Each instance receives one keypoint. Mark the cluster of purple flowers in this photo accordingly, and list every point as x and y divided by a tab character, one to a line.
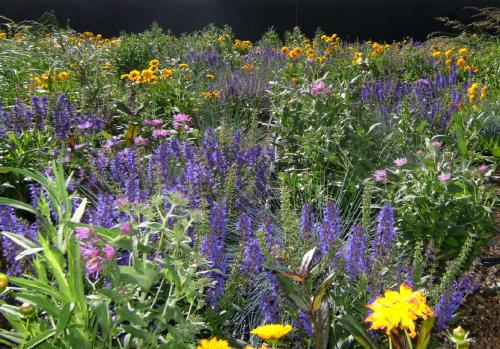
10	223
94	251
451	299
434	99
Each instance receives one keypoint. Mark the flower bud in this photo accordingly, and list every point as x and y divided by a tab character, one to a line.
459	332
27	309
4	281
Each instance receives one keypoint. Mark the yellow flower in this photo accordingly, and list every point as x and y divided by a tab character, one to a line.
209	76
285	50
153	68
3	35
272	332
321	59
248	67
436	54
210	94
484	89
358	58
134	75
183	65
147	74
107	65
213	343
461	62
294	81
222	39
462	51
448	53
124	76
153	79
63	76
154	62
89	34
472	92
166	73
399	310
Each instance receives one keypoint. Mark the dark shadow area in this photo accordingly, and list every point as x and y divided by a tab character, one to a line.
354	19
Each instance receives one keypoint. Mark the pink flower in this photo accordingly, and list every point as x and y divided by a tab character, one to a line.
400	162
83	233
120	201
125	228
109	252
380	175
94	265
153	122
436	144
139	140
445	177
160	133
319	86
483	169
180	120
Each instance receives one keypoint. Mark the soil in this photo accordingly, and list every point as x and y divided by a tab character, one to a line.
480	314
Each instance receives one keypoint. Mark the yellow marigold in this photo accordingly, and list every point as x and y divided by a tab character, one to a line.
248	67
153	79
134	75
436	54
154	62
63	76
272	332
222	39
448	53
399	310
461	62
183	65
166	73
209	76
463	51
285	50
310	52
213	343
89	34
153	68
448	61
124	76
147	74
98	36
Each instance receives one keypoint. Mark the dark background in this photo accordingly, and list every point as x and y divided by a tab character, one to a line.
353	19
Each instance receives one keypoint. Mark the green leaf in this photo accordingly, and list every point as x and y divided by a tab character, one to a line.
41	302
39	339
12	336
103	317
305	266
324	321
120	106
359	333
20	240
285	272
64	316
130	316
145	279
53	262
321	292
19	205
424	334
293	292
39	286
77	216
